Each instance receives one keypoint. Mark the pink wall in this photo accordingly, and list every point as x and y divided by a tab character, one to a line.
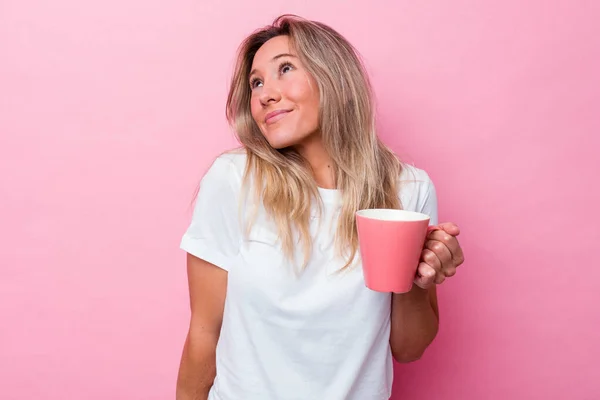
109	112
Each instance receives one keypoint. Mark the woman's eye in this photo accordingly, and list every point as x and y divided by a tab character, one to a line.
254	83
286	67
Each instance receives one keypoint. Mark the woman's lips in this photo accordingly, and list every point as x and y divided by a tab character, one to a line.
275	116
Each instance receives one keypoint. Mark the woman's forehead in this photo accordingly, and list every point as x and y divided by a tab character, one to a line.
271	50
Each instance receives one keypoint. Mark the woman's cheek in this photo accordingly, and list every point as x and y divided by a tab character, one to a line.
255	108
296	89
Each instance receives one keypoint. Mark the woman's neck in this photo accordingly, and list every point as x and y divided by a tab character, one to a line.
319	160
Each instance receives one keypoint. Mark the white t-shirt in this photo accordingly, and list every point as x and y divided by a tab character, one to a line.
313	336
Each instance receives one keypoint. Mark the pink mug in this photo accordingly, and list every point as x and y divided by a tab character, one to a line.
391	242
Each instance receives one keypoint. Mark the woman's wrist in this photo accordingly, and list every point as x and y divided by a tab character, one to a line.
416	295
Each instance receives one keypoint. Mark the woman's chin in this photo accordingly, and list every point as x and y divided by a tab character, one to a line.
279	146
278	141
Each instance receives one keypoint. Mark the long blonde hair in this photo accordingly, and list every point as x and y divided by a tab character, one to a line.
366	171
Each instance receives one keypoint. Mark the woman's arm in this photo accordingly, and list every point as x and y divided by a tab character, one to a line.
414	325
207	286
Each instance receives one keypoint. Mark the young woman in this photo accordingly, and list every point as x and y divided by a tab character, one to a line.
279	308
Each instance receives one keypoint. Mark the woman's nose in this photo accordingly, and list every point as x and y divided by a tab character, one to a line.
269	94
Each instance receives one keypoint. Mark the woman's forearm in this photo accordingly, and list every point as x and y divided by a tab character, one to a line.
414	323
197	370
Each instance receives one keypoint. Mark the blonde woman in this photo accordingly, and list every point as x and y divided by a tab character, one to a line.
279	308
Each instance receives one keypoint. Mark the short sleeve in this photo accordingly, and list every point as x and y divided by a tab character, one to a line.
428	203
214	232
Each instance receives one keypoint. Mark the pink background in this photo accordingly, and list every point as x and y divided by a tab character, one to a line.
111	110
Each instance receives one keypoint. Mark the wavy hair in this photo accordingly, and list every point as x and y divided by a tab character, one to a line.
366	171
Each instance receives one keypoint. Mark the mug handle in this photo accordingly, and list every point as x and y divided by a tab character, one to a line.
432	228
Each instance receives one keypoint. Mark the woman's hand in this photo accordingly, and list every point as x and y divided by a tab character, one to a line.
440	257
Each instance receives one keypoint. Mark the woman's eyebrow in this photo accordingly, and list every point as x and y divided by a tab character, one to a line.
273	59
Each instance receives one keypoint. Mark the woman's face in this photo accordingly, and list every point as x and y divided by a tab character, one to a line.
285	98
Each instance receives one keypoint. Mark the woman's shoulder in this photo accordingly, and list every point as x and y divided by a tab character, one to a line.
236	157
228	165
415	187
417	191
414	175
